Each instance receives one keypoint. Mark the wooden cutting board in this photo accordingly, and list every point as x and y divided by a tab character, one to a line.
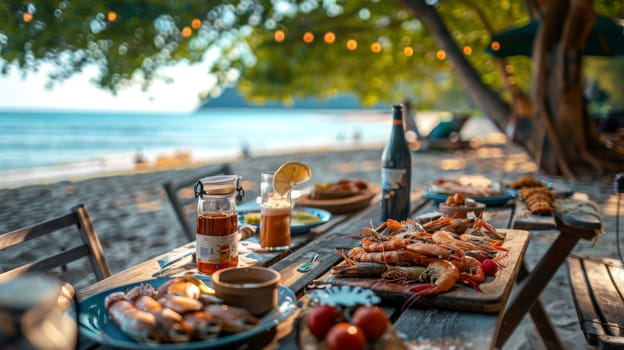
494	291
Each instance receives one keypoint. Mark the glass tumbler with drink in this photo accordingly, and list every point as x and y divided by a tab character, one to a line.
276	205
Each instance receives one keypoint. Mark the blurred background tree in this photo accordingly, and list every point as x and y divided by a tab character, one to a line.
431	53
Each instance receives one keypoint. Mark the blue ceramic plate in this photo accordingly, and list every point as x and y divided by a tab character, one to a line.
491	201
95	324
296	227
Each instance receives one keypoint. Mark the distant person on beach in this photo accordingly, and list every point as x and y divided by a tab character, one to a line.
357	136
139	159
245	151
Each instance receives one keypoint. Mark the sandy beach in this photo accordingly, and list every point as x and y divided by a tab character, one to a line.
135	221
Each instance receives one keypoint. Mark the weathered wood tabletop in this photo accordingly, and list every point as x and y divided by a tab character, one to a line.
422	324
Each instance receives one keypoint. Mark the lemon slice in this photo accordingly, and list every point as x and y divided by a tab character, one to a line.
290	174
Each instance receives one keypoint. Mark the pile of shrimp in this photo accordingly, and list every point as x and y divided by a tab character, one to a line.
179	311
428	259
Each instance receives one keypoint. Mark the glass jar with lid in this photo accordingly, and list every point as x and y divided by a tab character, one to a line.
217	222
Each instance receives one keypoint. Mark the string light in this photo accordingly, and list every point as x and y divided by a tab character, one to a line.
27	16
196	23
111	16
308	37
441	55
329	37
351	44
495	45
509	68
187	31
408	51
279	36
511	80
376	47
467	50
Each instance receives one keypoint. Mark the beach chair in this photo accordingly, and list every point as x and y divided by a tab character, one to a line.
89	245
182	198
445	135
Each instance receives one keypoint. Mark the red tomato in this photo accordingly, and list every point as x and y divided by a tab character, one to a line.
321	319
372	320
345	336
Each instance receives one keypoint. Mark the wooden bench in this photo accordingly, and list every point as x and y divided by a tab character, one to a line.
598	289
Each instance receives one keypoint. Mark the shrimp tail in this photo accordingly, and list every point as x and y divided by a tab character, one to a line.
474	284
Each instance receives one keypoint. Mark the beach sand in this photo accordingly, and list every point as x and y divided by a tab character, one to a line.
135	221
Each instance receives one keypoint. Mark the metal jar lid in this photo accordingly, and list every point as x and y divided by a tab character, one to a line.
221	185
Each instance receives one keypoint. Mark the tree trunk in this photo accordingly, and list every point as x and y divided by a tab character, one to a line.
559	136
490	102
570	144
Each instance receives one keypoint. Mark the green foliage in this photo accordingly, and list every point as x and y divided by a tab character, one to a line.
147	35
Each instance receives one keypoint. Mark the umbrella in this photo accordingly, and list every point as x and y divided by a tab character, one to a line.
605	39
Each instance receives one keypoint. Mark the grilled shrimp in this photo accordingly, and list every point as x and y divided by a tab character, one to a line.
180	304
359	269
171	322
203	325
142	289
380	246
403	274
233	319
393	257
470	271
442	275
435	250
138	325
445	238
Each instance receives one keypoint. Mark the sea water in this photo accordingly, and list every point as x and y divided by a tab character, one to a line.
37	143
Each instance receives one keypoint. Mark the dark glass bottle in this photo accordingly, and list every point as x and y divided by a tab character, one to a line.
396	171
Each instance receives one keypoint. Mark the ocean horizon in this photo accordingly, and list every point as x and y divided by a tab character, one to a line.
42	146
38	145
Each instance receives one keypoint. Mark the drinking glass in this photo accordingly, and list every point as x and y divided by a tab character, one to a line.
275	215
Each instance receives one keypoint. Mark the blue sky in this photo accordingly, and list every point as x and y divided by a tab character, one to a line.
78	93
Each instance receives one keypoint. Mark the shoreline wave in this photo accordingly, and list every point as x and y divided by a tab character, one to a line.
126	163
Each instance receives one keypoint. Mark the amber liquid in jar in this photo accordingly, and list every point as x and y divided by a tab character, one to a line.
216	241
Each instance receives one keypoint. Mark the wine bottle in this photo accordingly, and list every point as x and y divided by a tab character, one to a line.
396	171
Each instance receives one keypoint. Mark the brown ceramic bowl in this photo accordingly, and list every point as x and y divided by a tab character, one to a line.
462	211
253	288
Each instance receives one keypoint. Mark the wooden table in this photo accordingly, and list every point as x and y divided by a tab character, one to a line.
441	328
531	283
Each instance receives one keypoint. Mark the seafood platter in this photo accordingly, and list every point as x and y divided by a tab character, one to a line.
538	196
174	313
450	262
339	197
481	190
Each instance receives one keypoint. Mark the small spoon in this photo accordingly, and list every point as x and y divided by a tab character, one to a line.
307	266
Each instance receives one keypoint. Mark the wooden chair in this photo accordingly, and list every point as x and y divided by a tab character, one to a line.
598	289
89	246
184	205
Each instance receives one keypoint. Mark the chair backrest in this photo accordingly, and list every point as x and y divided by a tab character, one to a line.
89	246
184	204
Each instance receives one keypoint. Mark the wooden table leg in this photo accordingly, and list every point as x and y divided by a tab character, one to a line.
528	291
540	317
